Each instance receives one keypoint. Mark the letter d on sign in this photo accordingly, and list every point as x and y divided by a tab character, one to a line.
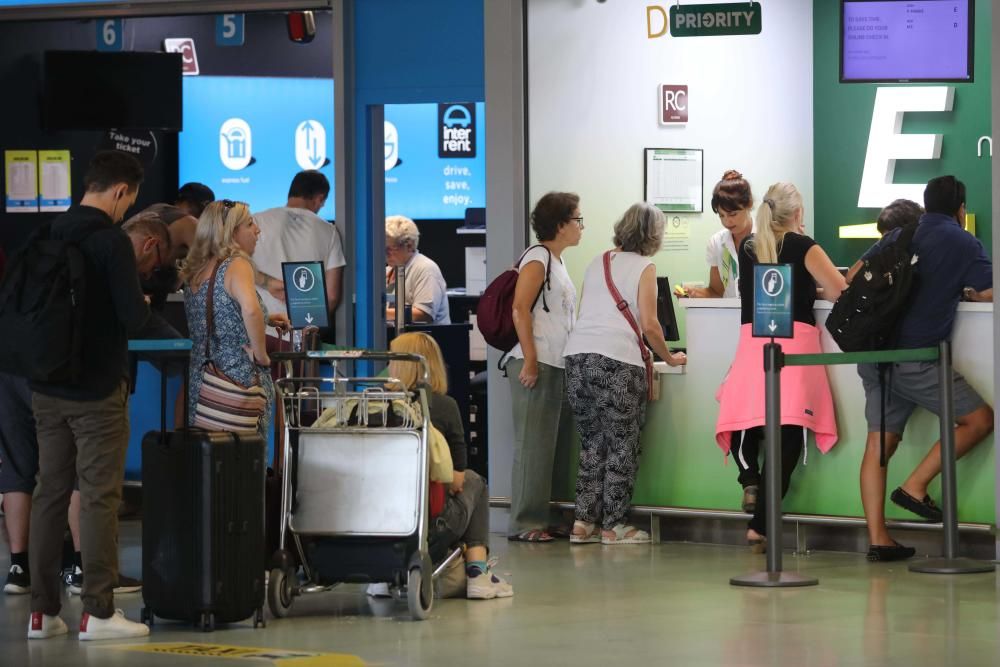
664	22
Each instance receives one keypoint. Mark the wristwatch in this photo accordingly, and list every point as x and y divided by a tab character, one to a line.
967	293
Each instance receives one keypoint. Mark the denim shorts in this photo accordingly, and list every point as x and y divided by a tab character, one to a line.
18	441
911	384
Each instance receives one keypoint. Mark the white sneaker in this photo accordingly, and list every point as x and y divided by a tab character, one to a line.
41	626
115	627
380	590
486	586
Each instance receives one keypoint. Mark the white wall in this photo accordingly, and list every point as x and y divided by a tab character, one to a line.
593	78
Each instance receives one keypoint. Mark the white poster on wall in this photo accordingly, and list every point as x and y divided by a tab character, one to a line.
674	179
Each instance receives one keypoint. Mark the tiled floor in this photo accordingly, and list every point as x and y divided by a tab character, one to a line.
592	605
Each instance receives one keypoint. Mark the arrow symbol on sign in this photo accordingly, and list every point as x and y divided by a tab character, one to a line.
309	131
772	326
309	318
315	157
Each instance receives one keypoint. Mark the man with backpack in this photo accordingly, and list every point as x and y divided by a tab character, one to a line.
82	421
948	264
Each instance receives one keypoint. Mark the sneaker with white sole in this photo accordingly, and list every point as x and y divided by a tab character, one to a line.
74	583
18	581
42	626
481	585
624	534
114	627
379	590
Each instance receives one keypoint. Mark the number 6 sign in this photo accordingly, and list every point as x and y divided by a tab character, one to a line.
111	35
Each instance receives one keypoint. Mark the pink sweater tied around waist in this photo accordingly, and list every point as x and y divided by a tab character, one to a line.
805	390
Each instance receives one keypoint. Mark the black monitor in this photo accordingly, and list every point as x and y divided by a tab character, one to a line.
92	90
665	309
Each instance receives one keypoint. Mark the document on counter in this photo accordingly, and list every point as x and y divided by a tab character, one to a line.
21	171
55	181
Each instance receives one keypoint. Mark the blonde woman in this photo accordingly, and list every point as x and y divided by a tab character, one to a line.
806	401
223	244
465	516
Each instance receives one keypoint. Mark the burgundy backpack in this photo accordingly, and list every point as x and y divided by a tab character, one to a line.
494	315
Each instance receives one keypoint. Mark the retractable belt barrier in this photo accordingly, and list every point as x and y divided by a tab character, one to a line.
774	361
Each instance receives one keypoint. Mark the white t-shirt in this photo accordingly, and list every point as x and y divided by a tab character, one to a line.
721	253
293	235
601	328
425	287
550	329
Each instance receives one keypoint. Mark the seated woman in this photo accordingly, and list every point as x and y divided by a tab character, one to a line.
607	378
806	401
220	258
466	512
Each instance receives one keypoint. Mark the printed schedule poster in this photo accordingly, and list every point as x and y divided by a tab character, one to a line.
54	181
674	179
21	178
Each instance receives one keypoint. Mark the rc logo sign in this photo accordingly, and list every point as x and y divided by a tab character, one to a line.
457	130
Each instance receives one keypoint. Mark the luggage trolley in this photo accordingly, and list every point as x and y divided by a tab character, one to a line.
354	496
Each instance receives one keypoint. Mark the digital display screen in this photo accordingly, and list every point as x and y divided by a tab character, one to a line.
247	137
435	160
906	40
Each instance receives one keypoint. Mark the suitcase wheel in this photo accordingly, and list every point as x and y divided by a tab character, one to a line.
258	619
207	622
146	616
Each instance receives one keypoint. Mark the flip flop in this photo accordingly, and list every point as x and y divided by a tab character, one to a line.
534	535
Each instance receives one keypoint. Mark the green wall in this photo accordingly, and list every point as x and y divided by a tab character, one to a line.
842	119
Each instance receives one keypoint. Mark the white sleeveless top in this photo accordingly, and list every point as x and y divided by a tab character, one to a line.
551	328
601	328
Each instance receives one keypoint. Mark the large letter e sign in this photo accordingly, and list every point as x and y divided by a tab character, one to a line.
886	144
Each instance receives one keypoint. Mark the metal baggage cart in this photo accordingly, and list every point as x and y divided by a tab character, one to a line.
354	498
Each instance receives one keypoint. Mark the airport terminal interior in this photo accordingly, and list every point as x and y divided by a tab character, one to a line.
600	488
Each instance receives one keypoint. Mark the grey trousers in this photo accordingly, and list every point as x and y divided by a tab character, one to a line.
468	513
543	430
83	440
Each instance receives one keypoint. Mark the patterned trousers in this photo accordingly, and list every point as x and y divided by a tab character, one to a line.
608	398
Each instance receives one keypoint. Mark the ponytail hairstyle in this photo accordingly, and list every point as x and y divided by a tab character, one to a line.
732	193
774	218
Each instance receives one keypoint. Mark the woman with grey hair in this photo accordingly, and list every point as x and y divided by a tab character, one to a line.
609	375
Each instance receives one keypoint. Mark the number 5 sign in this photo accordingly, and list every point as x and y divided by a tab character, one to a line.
229	29
111	35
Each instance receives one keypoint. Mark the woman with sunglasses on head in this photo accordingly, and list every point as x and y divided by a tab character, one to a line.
220	257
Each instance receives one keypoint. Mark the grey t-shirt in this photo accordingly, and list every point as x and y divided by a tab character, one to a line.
425	288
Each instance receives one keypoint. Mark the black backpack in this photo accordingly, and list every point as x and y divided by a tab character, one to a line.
42	310
867	314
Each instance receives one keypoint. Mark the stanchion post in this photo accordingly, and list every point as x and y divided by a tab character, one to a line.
950	563
773	577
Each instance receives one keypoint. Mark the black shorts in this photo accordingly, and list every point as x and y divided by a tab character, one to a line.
18	441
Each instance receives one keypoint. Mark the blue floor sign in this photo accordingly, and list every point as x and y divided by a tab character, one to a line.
772	301
305	294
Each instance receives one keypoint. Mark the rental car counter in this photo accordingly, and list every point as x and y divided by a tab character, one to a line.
681	465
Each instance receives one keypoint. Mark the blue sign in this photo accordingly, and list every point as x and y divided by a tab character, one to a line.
305	294
111	35
230	29
772	301
247	137
435	160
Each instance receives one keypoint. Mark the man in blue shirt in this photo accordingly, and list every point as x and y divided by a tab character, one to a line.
951	264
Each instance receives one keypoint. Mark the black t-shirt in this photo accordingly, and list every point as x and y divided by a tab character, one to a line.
793	251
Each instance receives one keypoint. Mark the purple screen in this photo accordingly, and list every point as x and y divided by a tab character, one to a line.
922	39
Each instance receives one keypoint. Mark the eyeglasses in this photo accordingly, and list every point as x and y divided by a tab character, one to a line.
578	220
226	205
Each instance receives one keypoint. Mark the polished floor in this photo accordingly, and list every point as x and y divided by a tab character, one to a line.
588	605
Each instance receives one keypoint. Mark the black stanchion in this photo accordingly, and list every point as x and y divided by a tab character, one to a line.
773	577
949	563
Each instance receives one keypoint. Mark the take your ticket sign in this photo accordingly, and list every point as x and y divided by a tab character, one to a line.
305	294
772	301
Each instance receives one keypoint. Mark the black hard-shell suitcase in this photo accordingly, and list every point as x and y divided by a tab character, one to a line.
203	526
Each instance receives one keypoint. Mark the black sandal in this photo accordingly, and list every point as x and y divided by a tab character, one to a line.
884	554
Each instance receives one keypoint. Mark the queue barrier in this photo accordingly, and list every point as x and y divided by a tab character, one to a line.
774	361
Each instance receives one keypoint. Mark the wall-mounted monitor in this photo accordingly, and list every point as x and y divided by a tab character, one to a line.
93	90
898	41
435	159
247	137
